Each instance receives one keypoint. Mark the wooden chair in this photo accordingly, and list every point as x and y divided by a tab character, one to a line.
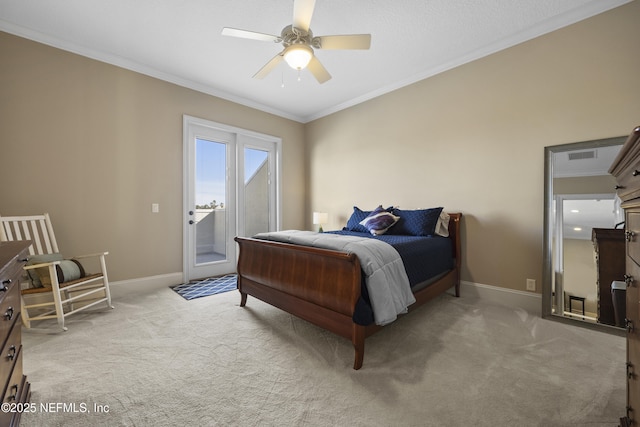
63	297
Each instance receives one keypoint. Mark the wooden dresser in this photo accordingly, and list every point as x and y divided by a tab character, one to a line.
626	170
16	389
609	247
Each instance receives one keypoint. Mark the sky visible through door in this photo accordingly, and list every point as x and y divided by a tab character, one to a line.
211	170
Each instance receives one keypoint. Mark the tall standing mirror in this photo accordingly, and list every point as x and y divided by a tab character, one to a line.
583	234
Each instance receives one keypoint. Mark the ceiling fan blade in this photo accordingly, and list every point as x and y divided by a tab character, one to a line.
351	41
317	69
244	34
269	66
302	12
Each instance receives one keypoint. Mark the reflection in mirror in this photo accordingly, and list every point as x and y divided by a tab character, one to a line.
583	225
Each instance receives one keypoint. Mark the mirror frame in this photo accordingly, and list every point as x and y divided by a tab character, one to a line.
547	302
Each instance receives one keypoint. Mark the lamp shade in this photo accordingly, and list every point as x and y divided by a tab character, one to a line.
320	217
298	56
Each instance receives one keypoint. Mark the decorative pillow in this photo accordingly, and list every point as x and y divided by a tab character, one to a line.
353	224
68	269
36	273
420	222
379	221
442	227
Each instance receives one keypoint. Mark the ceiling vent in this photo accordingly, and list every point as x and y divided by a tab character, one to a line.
582	155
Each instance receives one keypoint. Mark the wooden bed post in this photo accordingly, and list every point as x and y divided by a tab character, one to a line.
358	344
454	234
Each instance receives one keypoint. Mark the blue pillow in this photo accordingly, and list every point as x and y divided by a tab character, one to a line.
420	222
379	221
353	223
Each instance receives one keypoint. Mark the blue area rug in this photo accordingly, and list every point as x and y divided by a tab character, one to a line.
206	287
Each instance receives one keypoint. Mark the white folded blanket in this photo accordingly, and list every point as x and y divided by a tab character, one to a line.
385	277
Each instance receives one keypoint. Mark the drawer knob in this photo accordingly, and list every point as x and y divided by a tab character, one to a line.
12	353
628	280
4	284
628	235
14	393
8	315
636	172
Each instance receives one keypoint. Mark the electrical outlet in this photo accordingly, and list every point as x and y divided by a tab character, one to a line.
531	284
155	207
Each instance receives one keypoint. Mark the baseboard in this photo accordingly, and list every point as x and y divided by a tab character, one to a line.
529	301
144	284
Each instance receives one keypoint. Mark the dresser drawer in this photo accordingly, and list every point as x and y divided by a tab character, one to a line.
12	390
629	182
633	226
9	310
12	270
10	350
11	274
626	167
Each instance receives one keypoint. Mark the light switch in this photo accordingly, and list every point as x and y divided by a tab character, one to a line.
155	207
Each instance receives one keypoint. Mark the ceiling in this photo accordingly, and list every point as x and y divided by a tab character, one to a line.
584	161
581	215
180	41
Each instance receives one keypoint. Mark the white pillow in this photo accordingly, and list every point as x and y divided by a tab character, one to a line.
442	226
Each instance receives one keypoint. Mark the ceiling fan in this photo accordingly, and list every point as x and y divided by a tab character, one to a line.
299	42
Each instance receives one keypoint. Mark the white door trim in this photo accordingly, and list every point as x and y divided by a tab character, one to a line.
235	161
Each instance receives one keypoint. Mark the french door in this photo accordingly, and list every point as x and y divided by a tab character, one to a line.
231	189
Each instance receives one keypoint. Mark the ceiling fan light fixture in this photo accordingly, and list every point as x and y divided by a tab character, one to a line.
298	56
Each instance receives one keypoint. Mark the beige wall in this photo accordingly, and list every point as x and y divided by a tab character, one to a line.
94	145
471	139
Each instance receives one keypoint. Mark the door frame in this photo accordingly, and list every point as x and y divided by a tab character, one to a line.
238	145
271	148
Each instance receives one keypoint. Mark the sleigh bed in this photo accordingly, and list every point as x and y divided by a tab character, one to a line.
326	287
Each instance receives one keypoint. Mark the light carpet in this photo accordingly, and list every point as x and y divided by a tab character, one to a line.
159	360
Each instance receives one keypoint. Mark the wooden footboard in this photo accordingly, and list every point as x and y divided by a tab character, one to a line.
321	286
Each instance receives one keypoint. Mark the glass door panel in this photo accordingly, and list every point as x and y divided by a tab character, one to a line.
256	191
210	196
